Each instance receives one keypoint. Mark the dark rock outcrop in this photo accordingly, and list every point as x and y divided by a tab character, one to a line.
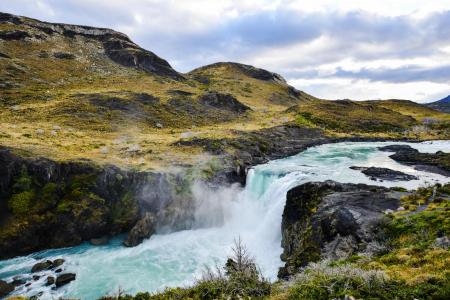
18	281
13	35
47	265
143	229
5	288
50	280
438	162
63	55
331	220
223	102
41	266
64	279
384	174
57	262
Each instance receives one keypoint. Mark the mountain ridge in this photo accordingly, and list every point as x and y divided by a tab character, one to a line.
441	105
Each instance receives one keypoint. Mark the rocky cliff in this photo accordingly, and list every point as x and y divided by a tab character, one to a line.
330	220
48	204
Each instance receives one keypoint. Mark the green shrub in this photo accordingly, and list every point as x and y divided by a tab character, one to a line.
21	203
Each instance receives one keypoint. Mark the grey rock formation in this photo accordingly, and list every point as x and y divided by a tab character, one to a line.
330	220
64	279
143	229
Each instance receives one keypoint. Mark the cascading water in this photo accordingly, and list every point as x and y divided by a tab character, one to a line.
253	213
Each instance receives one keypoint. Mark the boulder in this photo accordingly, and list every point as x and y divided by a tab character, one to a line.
442	242
143	229
5	288
17	281
57	262
41	266
64	279
50	280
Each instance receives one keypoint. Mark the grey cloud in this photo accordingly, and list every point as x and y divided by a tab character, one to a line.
355	35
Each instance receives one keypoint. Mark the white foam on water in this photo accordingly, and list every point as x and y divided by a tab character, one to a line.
252	213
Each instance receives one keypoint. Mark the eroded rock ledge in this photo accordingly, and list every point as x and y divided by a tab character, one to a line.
330	220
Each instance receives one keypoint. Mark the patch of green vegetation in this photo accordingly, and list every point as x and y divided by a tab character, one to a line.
124	211
304	119
21	203
321	281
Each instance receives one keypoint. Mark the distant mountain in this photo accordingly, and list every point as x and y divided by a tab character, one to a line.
441	105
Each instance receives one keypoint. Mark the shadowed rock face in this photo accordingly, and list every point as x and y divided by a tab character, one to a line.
331	220
118	47
143	229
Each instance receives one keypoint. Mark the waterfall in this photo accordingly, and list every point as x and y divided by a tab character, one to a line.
253	213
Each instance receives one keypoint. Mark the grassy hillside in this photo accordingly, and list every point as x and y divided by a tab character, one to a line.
373	118
63	97
74	92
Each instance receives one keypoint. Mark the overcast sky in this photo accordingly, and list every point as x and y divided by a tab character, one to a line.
331	49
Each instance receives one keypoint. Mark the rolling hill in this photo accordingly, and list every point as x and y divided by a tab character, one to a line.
77	92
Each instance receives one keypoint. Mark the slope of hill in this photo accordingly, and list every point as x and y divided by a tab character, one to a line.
441	105
70	92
